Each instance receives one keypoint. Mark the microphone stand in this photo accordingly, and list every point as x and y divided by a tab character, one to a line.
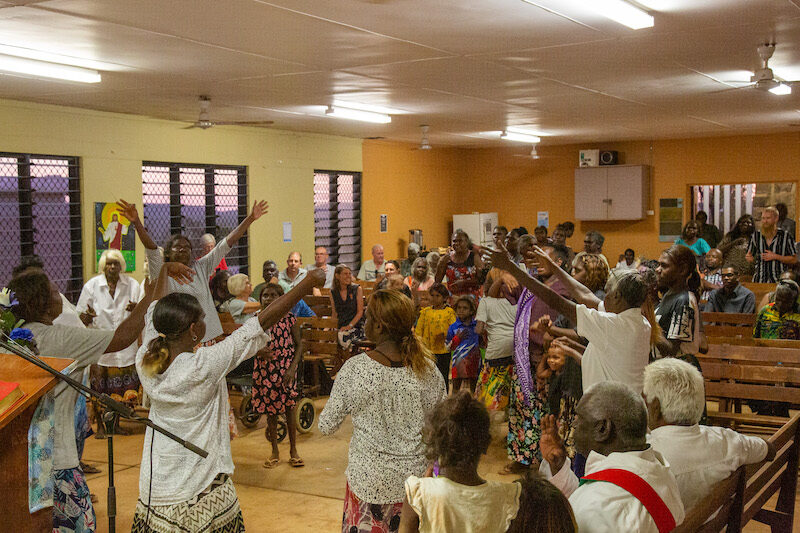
114	409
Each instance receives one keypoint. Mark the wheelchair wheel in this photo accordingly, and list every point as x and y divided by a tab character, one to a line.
247	415
281	429
305	415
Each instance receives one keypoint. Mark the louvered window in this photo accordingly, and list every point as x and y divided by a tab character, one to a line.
40	213
193	200
337	216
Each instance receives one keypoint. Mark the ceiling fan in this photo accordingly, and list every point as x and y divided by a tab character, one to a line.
764	79
424	143
204	120
534	155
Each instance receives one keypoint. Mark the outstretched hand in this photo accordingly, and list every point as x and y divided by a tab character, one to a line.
551	445
541	255
260	208
128	211
179	272
497	258
318	277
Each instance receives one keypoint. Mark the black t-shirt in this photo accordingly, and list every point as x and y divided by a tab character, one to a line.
678	316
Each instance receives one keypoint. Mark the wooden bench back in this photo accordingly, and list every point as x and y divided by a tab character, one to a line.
744	341
734	372
321	305
759	289
727	496
738	319
320	341
740	331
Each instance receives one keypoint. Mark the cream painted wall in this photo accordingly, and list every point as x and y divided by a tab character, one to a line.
112	147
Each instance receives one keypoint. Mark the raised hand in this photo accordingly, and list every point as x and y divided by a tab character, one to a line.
260	208
131	306
128	211
88	316
551	445
179	272
542	325
317	277
541	255
497	258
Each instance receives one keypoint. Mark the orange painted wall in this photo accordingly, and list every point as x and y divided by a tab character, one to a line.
415	188
518	187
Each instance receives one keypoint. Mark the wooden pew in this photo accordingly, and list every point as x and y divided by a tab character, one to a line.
742	496
736	373
744	341
726	500
748	319
759	289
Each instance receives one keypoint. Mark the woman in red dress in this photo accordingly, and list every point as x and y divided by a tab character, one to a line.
274	378
460	268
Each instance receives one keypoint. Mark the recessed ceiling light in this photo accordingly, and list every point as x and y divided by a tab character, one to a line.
781	89
355	114
46	69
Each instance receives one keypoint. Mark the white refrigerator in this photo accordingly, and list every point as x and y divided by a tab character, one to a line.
478	226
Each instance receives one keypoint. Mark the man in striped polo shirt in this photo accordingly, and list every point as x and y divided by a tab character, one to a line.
771	249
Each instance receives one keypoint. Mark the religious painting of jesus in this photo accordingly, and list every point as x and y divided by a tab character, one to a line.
112	230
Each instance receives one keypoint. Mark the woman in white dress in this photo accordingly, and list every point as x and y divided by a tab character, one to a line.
189	397
105	302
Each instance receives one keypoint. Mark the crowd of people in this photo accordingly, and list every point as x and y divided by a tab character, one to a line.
592	364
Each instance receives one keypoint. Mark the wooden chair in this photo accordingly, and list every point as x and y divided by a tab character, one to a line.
320	349
321	305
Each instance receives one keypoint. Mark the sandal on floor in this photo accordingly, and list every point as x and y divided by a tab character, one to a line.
271	463
296	462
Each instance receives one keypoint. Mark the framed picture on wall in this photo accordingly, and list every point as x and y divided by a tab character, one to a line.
112	230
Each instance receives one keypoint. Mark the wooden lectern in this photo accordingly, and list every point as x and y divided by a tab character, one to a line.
14	424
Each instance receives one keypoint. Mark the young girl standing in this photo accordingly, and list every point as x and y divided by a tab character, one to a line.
464	344
433	325
456	435
274	378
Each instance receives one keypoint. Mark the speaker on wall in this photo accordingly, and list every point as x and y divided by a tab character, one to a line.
608	157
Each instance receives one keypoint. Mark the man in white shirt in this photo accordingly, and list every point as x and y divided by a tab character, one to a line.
321	262
699	456
372	268
294	272
628	485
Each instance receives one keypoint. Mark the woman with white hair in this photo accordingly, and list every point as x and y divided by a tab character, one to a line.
105	302
209	242
241	306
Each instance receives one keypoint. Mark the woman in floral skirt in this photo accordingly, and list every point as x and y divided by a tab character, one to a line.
274	378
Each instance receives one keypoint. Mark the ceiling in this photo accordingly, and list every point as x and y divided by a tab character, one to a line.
463	67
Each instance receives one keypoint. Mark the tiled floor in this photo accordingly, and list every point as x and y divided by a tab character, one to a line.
299	500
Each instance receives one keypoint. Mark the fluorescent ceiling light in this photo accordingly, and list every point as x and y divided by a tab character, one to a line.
525	131
355	114
781	89
622	12
46	69
519	137
369	107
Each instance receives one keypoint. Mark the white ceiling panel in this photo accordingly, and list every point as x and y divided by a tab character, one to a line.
461	67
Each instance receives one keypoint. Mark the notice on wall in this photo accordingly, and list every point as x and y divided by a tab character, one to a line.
670	219
384	223
287	232
114	231
543	218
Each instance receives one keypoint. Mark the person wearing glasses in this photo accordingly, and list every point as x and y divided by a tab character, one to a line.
732	297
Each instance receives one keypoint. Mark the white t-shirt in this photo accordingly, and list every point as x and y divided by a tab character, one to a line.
111	311
444	505
619	346
204	269
85	346
498	314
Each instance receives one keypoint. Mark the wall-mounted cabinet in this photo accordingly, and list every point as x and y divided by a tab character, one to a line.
617	192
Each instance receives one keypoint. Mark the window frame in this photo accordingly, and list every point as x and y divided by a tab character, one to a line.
335	227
